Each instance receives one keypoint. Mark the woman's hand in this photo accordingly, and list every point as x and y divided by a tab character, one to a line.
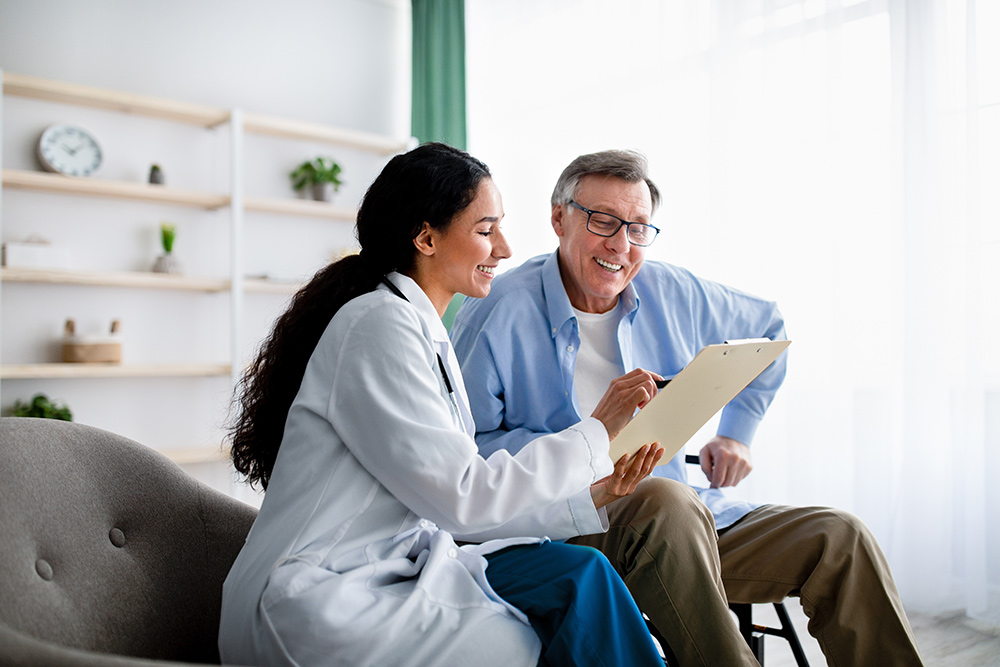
625	394
628	473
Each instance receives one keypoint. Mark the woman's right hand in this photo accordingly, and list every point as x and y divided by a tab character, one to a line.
628	473
625	394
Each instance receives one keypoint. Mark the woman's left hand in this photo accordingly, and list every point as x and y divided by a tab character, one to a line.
627	475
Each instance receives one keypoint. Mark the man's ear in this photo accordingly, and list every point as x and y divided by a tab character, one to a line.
424	240
558	213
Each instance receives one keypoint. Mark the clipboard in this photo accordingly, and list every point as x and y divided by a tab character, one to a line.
713	378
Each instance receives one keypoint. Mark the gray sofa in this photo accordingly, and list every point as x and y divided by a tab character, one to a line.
110	554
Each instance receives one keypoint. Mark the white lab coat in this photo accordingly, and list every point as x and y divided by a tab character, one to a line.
352	559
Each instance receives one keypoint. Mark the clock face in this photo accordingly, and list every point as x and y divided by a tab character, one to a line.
69	150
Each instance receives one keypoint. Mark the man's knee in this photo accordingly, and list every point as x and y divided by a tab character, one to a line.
845	532
661	505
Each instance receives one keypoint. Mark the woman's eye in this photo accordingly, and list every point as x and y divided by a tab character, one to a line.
486	233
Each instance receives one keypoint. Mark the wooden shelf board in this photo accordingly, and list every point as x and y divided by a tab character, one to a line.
142	280
114	279
70	371
189	455
57	183
21	85
294	129
263	286
301	207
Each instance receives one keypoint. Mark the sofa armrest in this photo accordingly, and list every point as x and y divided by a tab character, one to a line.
20	650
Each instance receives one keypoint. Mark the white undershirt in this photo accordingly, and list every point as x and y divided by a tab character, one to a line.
598	361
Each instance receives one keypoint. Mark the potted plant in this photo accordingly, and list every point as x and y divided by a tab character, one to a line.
42	408
156	175
322	174
167	263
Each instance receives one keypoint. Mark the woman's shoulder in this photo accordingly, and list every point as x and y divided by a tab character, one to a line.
376	315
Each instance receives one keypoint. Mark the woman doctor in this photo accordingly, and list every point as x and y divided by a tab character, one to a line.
355	420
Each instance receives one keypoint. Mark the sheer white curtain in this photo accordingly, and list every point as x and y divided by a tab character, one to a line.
842	158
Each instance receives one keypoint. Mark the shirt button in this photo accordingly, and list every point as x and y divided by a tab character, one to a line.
425	524
569	348
452	553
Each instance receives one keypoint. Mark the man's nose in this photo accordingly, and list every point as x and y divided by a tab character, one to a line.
619	240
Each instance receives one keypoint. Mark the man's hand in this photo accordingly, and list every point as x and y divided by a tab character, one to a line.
625	394
628	473
725	461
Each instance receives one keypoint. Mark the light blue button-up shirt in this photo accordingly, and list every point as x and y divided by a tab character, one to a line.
518	346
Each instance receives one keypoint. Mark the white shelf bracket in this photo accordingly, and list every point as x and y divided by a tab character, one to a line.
236	242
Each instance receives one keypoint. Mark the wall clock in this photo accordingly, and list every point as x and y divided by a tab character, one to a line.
69	150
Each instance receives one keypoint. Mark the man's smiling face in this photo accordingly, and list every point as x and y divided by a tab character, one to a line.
596	269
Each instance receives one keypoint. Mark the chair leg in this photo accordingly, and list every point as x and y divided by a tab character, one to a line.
669	660
754	639
788	632
753	634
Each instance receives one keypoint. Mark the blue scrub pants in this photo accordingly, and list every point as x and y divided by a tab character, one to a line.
576	602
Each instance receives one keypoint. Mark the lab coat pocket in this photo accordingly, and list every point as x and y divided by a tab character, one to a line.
423	608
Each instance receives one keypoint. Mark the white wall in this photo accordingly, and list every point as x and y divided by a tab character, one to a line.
339	62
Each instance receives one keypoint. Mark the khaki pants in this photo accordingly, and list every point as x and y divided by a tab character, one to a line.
663	542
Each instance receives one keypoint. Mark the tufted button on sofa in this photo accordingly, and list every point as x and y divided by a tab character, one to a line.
110	554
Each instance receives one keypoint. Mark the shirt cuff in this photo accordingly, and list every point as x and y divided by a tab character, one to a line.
587	518
596	436
739	424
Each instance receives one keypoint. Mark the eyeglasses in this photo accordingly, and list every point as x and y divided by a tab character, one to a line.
607	225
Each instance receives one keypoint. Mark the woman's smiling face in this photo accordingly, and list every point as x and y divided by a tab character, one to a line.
466	254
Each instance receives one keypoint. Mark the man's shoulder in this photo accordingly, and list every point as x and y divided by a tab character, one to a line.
652	268
660	275
662	279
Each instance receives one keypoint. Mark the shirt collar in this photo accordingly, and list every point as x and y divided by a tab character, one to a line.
556	300
421	302
560	310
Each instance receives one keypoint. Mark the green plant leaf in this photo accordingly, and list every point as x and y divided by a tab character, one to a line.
43	408
168	233
318	170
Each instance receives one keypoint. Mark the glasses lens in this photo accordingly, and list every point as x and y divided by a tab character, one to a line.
641	234
603	224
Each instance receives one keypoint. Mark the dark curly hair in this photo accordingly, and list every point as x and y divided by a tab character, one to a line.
431	183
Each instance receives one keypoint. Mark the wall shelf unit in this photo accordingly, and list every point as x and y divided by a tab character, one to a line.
135	279
33	87
51	371
238	204
301	207
69	185
294	129
192	455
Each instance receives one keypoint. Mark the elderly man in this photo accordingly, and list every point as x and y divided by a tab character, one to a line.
538	355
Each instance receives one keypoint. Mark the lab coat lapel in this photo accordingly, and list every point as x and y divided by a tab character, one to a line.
442	345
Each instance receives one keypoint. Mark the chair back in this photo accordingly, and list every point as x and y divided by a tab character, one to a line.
108	546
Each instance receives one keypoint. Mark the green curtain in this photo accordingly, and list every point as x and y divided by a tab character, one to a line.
439	82
439	71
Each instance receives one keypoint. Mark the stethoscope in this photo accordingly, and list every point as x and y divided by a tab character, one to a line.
444	372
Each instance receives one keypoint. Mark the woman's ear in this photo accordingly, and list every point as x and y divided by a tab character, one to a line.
424	240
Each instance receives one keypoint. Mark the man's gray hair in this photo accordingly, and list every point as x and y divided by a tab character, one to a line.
630	166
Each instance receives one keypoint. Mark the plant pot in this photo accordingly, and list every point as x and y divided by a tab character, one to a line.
323	191
166	264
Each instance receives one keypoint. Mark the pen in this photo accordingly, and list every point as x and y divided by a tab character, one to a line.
660	384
